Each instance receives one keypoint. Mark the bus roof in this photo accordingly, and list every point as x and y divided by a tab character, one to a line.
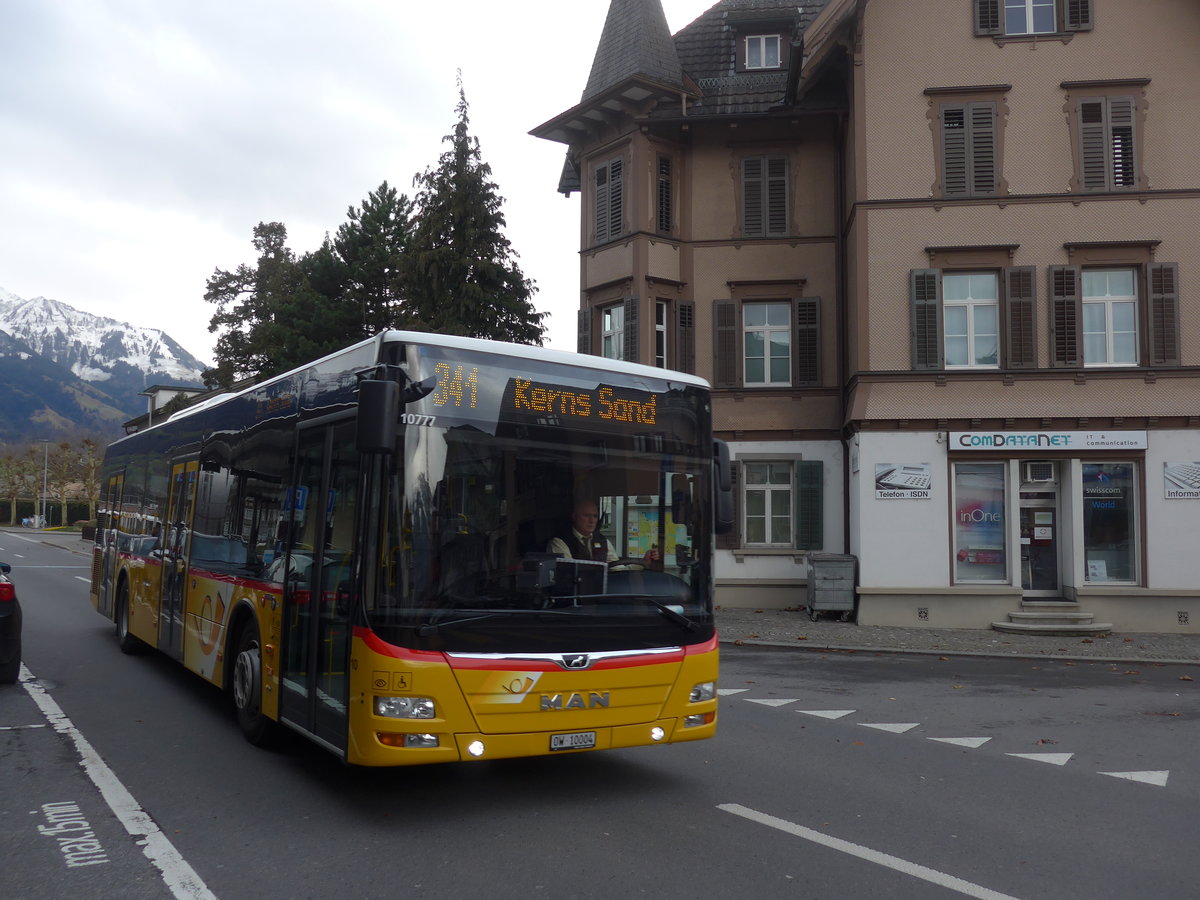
501	348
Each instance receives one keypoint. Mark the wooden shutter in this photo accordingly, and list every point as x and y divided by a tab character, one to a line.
664	196
810	505
1066	317
925	297
806	357
1122	165
584	340
752	196
1093	158
632	345
982	118
616	206
1079	15
727	344
1020	291
732	539
601	202
685	336
954	150
987	17
777	207
1163	315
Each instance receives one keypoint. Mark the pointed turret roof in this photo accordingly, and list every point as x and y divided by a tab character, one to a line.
636	42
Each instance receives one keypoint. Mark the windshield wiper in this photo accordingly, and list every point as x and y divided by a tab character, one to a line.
431	627
670	612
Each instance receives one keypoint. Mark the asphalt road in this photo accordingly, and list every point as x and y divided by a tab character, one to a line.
832	776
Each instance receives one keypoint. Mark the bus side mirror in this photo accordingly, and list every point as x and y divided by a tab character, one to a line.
378	416
722	488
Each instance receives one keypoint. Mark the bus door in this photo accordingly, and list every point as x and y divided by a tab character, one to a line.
175	540
320	573
108	521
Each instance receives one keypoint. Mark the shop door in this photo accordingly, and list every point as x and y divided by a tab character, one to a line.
319	591
174	557
1040	558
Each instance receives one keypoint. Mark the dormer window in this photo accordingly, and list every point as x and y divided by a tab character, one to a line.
762	51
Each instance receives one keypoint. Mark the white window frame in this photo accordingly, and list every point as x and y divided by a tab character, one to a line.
1027	9
612	331
770	490
973	306
766	332
1107	305
762	44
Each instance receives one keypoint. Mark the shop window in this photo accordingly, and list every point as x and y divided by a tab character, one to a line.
1109	524
979	526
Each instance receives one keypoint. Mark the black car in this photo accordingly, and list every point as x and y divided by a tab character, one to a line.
10	628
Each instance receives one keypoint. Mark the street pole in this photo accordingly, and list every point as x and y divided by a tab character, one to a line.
45	479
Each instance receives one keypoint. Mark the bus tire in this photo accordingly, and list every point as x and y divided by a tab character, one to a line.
247	687
125	639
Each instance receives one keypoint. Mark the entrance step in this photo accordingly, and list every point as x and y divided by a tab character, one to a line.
1065	619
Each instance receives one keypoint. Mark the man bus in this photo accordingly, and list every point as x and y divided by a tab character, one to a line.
357	550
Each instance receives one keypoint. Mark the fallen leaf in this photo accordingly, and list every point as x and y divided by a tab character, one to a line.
802	637
1087	641
1131	672
1186	678
753	635
956	686
738	642
1047	741
859	744
943	659
1128	640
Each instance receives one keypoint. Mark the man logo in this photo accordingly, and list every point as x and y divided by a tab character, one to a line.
593	700
575	661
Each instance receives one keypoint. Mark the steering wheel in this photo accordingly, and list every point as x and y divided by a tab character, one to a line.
629	562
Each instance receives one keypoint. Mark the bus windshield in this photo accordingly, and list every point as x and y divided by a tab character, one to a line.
475	536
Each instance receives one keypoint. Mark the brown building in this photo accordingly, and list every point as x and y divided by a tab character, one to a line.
934	260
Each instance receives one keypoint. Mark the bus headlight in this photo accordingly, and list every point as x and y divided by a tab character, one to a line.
405	707
706	690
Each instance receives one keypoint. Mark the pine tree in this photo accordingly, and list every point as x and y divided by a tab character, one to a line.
461	271
371	245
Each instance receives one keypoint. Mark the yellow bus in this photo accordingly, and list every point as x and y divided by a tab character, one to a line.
378	550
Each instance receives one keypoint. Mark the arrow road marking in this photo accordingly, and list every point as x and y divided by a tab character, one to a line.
973	743
1055	759
1158	778
893	727
725	692
827	713
770	702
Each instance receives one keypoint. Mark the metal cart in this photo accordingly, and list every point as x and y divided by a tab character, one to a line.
831	583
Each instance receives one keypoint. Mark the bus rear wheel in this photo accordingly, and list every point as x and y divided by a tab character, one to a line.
247	687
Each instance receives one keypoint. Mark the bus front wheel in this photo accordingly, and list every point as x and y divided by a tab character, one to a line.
247	687
125	639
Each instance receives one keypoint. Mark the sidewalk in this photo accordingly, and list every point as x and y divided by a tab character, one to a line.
792	628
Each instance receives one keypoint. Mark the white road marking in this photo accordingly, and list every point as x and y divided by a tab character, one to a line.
866	853
22	727
827	713
180	878
725	692
81	578
973	743
1055	759
769	702
1157	778
893	727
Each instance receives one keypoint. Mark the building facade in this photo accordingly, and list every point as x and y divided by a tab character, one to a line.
941	292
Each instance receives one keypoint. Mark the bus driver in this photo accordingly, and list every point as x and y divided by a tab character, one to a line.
582	540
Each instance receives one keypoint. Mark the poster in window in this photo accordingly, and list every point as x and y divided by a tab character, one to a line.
979	529
902	481
1181	480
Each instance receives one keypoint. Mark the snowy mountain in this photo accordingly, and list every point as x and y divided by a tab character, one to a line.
119	359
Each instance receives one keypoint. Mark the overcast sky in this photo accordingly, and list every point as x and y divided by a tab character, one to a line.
142	140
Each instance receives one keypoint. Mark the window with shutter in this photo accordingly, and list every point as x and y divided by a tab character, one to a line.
609	201
1019	18
1106	144
767	344
612	331
810	505
726	344
764	196
969	151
